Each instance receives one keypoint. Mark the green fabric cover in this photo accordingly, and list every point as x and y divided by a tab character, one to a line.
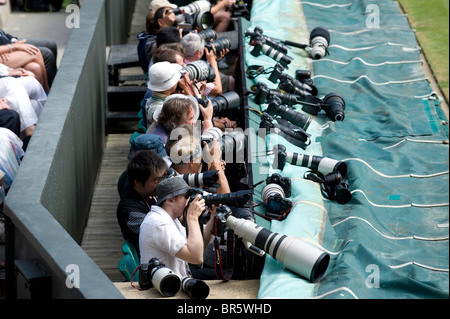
383	243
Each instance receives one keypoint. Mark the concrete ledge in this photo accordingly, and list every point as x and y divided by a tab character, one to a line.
233	289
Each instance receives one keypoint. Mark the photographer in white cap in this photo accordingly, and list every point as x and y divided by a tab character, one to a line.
163	236
163	80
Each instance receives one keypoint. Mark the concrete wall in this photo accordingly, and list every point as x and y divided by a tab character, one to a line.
48	204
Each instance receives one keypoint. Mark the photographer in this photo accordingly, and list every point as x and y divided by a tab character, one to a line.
162	235
144	171
179	109
163	79
185	151
194	46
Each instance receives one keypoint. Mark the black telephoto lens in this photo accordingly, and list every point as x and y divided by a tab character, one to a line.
208	35
197	289
334	106
236	199
227	101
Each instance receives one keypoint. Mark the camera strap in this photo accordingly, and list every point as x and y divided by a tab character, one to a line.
132	276
326	191
253	71
218	264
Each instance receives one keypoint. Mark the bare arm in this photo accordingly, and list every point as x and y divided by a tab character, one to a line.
192	252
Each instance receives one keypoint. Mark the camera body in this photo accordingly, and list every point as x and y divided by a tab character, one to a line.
263	94
284	182
274	195
336	187
292	133
234	199
219	226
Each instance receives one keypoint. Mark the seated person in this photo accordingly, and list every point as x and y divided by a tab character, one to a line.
48	49
9	119
145	171
25	96
163	36
164	79
187	157
10	153
179	109
222	14
194	46
27	56
162	235
149	142
195	49
149	35
170	52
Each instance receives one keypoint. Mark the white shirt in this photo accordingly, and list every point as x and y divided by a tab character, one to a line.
162	237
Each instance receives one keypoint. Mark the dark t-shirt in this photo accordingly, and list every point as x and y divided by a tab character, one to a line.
131	210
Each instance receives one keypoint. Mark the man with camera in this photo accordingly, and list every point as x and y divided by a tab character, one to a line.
137	189
187	156
162	234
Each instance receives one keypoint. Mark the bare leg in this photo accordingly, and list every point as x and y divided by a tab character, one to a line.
33	63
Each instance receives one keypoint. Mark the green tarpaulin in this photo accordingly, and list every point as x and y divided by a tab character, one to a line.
391	239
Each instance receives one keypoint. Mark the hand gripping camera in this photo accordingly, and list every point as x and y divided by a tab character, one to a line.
274	196
222	104
232	143
235	199
296	255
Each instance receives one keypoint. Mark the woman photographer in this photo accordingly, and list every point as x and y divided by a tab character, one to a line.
179	109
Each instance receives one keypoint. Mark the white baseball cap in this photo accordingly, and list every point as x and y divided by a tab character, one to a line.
156	4
163	76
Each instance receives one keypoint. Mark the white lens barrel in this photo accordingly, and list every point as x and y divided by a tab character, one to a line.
166	281
271	189
325	165
296	255
318	47
197	6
